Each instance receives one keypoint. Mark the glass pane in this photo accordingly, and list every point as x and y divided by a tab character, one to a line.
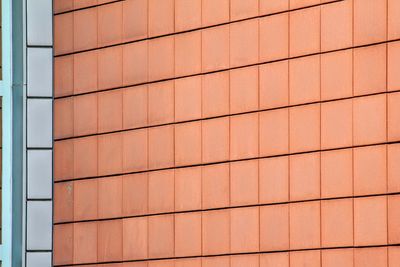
1	169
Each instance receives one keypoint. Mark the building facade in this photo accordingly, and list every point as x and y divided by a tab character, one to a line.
200	133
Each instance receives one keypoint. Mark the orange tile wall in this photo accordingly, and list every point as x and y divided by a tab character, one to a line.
227	133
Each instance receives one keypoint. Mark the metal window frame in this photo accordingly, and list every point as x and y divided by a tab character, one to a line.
6	250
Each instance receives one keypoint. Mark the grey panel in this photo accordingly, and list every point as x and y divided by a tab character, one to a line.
38	259
39	123
39	173
40	72
39	13
39	225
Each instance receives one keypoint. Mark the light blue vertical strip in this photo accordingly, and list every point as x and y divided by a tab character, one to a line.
6	248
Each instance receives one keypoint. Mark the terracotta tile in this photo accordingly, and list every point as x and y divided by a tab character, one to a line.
63	75
304	31
188	189
188	143
274	132
304	173
393	219
370	70
85	114
63	33
63	117
244	183
188	234
370	170
191	262
274	84
337	124
394	256
310	258
245	230
243	9
393	19
304	83
110	24
223	261
188	98
215	12
215	94
85	199
134	20
304	129
274	179
109	241
62	5
337	223
337	173
134	150
110	197
187	44
110	67
99	2
369	120
63	202
215	46
393	73
304	225
244	40
274	37
302	3
336	26
63	160
85	157
161	236
110	111
161	191
85	29
161	263
135	238
134	107
187	15
270	7
110	154
63	244
161	58
370	257
84	3
370	21
244	136
393	168
393	102
161	17
85	72
135	194
85	242
161	95
274	259
337	75
274	227
215	233
244	89
370	221
215	186
215	140
135	63
245	260
161	147
337	257
117	265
